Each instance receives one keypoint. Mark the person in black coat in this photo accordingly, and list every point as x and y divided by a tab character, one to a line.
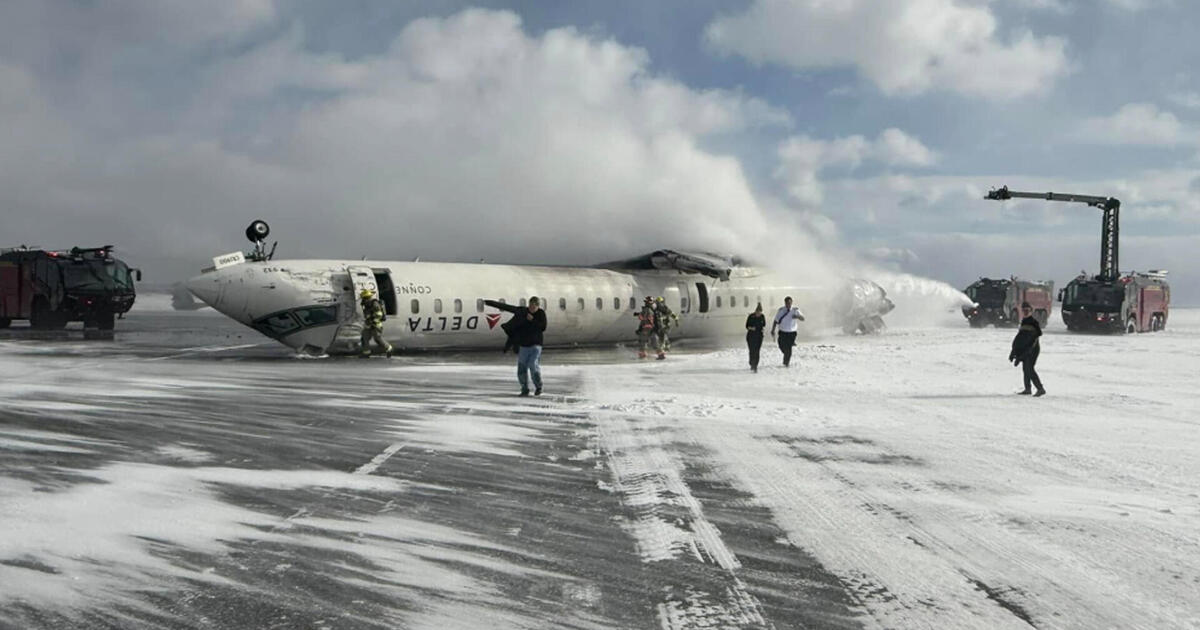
755	323
1026	348
525	331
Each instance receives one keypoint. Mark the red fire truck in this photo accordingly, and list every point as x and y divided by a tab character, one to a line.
1108	301
51	288
1135	302
999	301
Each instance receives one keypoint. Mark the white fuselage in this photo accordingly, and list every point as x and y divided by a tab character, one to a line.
312	305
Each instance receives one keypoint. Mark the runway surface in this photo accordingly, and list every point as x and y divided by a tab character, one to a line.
189	473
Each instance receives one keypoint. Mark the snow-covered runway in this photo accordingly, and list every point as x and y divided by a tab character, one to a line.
185	475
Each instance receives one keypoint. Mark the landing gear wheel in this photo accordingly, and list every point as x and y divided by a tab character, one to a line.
1130	326
257	231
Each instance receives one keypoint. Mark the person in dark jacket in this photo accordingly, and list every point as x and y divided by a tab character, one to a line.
755	323
525	330
1025	350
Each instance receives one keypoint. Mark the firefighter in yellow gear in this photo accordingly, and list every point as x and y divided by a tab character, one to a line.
664	318
647	335
372	329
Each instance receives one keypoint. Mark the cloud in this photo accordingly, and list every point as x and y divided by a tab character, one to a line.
802	159
955	235
1190	100
1137	124
465	138
1137	5
903	46
1055	6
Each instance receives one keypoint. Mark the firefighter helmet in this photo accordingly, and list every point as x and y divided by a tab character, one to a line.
366	293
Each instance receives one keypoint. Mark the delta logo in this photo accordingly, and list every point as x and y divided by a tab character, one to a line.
492	320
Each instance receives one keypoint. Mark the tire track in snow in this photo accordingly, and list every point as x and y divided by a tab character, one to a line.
668	523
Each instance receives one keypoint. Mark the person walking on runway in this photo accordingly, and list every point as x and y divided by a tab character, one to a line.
755	323
788	319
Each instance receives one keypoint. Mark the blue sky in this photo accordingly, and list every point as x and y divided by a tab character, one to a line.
804	131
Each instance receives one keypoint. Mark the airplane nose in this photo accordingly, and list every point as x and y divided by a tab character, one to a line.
206	289
225	290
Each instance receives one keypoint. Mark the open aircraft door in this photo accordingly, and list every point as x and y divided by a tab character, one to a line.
361	278
679	299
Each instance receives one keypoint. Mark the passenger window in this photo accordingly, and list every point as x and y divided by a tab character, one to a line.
416	306
718	301
683	304
479	306
599	304
562	304
581	304
633	304
746	301
457	305
616	304
437	305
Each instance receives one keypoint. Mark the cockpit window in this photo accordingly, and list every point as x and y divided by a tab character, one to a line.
277	325
316	315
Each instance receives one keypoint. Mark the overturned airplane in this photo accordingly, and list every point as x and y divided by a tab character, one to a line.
311	305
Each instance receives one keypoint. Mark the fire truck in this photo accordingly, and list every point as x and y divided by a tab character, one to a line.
1108	301
52	288
998	301
1136	302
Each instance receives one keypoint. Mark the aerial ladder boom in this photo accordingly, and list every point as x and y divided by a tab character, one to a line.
1110	226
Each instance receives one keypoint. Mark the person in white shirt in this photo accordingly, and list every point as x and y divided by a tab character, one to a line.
787	319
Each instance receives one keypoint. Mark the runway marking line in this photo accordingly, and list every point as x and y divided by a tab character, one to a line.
186	351
379	459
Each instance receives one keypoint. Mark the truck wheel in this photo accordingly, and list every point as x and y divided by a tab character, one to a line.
4	322
40	316
106	321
